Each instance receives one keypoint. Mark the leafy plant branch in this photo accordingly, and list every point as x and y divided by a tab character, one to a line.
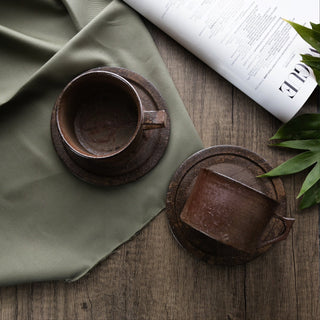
303	132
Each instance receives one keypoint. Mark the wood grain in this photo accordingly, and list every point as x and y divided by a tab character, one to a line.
151	277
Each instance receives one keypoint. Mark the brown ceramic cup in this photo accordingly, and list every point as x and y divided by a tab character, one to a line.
100	119
231	212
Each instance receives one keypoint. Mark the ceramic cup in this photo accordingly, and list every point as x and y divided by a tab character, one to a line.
231	212
100	119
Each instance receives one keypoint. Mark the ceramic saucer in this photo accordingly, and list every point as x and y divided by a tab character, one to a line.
239	164
152	147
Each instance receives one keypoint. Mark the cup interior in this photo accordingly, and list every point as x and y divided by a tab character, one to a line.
98	114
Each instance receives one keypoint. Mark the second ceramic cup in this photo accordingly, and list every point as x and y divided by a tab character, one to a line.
231	212
101	119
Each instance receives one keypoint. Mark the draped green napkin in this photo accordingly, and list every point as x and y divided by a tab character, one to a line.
52	225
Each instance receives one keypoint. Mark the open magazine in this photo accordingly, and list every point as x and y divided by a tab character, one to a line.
245	41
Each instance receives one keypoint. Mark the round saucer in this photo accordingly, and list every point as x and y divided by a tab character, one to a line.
239	164
154	142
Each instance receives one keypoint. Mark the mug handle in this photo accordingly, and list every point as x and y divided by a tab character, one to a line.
287	222
154	119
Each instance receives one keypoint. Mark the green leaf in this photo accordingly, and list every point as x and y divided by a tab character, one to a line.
294	165
312	178
315	27
305	126
317	75
312	36
303	160
312	61
311	197
312	145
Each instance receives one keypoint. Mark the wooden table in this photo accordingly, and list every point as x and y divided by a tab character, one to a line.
151	277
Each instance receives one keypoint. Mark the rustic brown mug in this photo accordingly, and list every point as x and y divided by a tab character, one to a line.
100	118
231	212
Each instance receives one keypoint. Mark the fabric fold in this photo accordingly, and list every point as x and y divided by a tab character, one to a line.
54	226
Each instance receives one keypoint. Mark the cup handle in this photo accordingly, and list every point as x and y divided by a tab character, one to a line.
154	119
287	222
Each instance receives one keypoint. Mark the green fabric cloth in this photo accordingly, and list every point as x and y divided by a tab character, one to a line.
52	225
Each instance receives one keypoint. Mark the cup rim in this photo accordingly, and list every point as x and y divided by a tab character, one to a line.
243	185
132	90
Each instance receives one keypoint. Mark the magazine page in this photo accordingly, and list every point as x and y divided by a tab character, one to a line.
247	42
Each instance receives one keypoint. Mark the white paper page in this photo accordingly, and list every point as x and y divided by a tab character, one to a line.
247	42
